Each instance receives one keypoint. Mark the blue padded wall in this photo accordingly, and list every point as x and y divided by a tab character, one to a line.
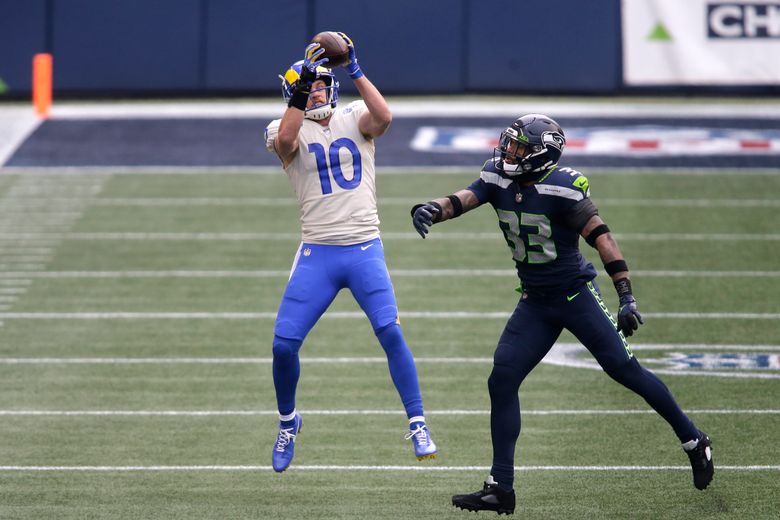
405	45
560	45
250	42
22	34
127	45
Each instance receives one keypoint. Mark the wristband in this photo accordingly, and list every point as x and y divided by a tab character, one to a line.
353	69
623	287
457	205
299	99
616	266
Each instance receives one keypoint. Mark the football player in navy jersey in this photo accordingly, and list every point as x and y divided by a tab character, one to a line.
543	210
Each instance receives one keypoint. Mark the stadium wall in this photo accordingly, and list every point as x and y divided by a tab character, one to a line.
217	47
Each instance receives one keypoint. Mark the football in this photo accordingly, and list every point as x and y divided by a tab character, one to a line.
336	49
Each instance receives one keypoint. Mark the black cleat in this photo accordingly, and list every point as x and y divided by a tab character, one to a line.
491	498
701	462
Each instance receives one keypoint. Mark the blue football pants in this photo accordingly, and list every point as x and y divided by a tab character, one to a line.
319	272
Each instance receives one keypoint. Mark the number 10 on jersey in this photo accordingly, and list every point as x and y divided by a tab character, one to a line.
335	164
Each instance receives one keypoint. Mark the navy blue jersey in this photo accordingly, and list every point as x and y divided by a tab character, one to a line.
534	222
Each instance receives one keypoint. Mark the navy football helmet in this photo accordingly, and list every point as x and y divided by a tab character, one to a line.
530	147
331	88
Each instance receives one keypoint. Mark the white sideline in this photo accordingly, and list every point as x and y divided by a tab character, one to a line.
461	107
418	468
274	413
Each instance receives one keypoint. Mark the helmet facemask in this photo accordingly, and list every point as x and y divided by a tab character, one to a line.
320	110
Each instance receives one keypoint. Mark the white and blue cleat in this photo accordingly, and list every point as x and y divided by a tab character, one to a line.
284	448
424	447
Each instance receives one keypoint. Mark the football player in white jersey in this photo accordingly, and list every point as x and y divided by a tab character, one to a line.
328	154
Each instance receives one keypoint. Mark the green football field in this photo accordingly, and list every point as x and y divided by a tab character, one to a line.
137	315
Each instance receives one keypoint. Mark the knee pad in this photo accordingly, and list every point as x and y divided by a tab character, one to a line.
285	348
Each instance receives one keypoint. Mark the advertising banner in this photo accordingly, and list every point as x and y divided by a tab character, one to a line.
701	42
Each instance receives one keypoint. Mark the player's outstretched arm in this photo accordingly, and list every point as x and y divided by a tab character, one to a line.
378	118
597	235
286	142
439	210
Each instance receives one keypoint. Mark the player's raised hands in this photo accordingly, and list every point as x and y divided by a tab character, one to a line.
352	65
310	63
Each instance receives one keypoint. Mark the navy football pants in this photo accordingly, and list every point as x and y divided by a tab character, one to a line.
530	334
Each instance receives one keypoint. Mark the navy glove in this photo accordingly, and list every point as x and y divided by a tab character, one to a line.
629	318
424	215
352	65
310	64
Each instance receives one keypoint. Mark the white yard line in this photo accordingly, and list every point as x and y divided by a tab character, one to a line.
274	413
31	203
344	315
417	468
683	347
417	171
401	273
258	236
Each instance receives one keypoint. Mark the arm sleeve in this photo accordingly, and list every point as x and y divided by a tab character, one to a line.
579	213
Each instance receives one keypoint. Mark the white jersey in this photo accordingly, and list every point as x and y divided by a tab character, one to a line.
334	178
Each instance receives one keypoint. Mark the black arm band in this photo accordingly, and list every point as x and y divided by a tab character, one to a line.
616	266
597	232
299	99
436	216
457	205
623	287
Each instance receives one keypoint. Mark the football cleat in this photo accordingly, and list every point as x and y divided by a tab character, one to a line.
424	447
490	498
284	448
701	462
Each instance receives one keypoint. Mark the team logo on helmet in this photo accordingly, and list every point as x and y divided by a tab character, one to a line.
553	139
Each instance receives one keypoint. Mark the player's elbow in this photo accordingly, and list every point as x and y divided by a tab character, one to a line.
383	120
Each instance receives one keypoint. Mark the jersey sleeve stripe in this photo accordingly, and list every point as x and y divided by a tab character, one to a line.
559	191
494	178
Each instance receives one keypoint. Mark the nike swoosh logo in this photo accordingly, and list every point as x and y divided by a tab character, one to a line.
363	248
570	298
